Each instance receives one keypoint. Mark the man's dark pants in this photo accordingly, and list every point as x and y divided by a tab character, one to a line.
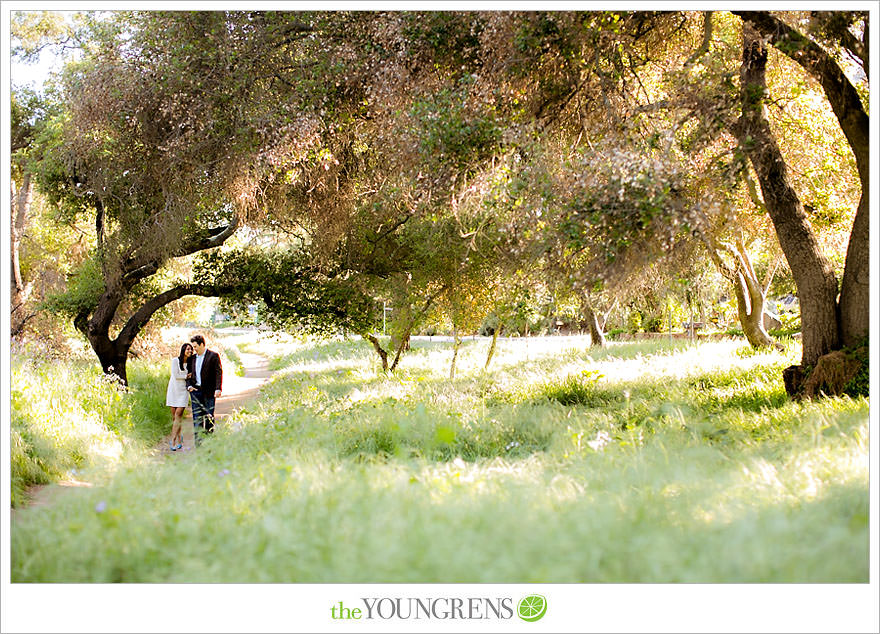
203	414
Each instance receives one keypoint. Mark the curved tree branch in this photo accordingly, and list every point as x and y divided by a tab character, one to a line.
216	237
138	269
853	120
829	22
143	315
842	95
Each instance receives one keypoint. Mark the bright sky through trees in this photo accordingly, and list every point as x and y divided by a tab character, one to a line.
50	60
35	75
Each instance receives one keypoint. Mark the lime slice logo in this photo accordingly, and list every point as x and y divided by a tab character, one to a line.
532	608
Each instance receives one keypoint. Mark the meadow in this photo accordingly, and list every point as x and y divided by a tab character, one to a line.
642	462
70	421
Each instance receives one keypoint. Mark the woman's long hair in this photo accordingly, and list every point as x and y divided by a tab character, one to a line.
180	358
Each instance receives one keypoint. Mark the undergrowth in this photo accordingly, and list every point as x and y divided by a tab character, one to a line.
644	462
69	416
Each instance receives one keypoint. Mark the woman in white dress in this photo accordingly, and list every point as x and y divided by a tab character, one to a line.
177	396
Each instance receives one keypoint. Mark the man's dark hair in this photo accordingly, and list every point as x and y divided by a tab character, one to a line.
199	339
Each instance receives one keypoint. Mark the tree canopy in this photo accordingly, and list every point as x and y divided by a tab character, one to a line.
415	156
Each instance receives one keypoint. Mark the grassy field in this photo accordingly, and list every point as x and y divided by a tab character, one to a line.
68	420
641	462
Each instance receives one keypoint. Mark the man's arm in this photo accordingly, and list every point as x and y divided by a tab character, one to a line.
218	384
191	374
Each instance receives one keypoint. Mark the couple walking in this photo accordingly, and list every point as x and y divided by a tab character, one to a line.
197	375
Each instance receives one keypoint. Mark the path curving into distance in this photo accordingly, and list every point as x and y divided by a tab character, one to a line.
237	390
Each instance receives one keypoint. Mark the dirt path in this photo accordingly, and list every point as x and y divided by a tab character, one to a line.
236	391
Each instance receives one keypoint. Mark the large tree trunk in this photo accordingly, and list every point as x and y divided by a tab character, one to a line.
96	328
850	113
813	274
852	323
21	201
855	293
112	356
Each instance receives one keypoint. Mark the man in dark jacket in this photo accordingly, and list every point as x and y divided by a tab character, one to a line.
204	386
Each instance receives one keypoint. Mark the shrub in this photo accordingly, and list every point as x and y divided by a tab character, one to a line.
859	385
575	389
634	322
654	324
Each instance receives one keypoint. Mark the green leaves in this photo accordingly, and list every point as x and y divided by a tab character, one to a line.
450	39
296	294
444	435
453	133
33	31
84	287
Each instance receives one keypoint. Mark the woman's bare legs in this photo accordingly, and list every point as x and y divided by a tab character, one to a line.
176	424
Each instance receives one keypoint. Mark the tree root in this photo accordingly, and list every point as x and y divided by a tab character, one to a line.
830	377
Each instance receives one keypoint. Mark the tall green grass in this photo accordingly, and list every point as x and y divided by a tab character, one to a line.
234	358
68	417
646	462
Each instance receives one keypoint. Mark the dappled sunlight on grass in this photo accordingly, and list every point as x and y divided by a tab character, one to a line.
68	419
680	467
